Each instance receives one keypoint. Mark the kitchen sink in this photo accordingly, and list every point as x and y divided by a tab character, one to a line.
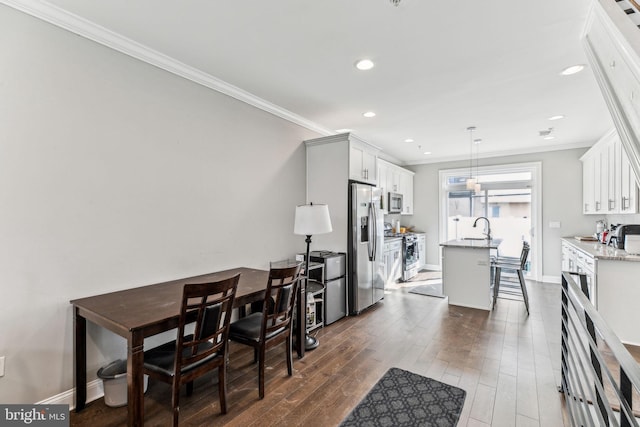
474	238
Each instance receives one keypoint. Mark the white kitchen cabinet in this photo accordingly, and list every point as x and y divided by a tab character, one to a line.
611	279
609	185
628	186
362	162
422	251
588	184
382	183
392	255
406	188
575	260
395	179
597	181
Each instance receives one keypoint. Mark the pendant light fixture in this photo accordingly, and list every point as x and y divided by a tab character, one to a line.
477	188
471	181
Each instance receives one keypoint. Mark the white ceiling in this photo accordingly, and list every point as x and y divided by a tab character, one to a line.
441	65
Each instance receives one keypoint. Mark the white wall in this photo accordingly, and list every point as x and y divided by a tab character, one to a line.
115	174
561	201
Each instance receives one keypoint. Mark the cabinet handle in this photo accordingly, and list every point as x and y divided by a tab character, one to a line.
597	206
625	203
586	207
612	204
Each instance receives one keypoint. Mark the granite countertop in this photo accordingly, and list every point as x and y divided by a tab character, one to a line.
599	251
473	244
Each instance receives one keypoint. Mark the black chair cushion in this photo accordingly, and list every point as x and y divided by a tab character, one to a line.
162	358
248	329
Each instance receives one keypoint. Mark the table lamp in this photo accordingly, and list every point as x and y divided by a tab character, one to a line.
311	219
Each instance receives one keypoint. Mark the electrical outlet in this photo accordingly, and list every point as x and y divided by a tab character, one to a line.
1	366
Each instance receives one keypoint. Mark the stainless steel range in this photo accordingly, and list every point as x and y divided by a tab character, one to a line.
410	254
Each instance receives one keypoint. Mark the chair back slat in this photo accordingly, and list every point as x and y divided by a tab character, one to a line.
524	255
282	288
211	305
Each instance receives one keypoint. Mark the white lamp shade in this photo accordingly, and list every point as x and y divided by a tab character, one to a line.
471	183
311	220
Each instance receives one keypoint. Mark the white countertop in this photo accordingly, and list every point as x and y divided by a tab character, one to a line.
473	244
600	251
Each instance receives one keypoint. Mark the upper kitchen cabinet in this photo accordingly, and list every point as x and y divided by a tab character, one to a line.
612	45
609	184
331	162
395	179
363	160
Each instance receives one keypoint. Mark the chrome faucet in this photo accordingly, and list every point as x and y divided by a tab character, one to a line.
488	233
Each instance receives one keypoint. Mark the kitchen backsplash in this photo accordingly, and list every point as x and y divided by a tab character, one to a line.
622	219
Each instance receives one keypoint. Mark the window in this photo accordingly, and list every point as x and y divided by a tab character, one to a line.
508	196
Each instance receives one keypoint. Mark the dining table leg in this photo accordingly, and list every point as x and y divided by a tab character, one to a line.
135	379
80	359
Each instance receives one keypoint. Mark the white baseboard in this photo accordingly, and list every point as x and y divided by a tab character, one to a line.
95	390
552	279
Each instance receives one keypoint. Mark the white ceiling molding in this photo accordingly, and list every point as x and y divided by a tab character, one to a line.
85	28
585	144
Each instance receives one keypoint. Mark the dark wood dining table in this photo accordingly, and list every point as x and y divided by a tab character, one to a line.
142	312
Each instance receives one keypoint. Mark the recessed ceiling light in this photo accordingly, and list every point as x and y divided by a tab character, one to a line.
345	130
549	137
364	64
558	117
408	140
369	114
427	153
572	69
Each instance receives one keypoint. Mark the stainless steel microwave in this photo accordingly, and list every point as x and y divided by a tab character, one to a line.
395	203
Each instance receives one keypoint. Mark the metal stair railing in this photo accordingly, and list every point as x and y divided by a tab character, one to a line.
594	394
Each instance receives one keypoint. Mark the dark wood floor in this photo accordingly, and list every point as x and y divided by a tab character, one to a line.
507	362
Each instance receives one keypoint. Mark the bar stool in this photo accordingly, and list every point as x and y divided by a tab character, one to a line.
514	264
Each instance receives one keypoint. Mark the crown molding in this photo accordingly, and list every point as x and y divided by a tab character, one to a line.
90	30
528	150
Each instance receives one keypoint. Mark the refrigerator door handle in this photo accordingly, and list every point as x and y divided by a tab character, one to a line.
371	230
375	232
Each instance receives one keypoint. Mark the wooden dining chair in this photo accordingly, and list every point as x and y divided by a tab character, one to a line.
179	362
273	325
516	264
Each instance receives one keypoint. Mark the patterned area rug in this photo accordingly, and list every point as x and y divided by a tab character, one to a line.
402	398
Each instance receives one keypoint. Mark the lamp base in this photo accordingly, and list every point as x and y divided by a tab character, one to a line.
311	342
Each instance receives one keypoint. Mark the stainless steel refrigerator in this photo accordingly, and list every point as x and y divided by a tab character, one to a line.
366	234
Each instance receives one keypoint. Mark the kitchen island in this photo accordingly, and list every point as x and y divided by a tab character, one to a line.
466	272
